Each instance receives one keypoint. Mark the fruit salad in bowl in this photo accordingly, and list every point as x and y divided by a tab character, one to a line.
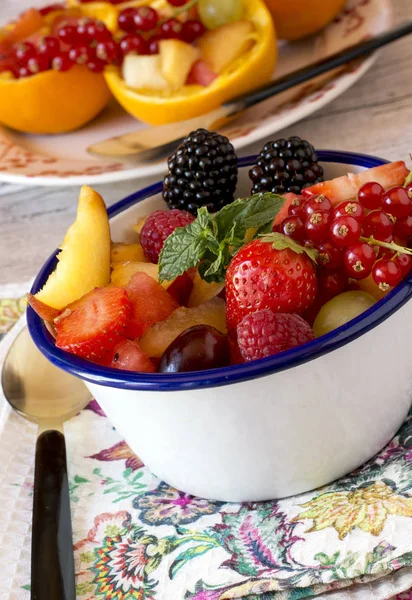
247	313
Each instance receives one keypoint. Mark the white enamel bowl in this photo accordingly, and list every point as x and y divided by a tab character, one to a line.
268	429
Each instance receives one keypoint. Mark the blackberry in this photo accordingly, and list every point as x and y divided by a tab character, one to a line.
286	166
202	172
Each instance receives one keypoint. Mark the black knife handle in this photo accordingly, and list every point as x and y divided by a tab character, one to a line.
52	563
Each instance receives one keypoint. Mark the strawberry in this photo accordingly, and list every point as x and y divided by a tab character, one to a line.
273	272
92	325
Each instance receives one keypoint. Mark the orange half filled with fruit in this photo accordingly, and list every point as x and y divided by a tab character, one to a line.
181	60
51	77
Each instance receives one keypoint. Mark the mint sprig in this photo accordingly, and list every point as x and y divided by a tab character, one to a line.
210	241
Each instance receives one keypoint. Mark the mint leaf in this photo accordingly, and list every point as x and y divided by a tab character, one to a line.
182	250
262	209
282	242
408	180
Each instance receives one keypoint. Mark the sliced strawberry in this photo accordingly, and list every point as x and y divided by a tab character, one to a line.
201	74
92	325
45	312
128	356
151	303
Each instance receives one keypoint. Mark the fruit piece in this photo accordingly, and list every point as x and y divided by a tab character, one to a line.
49	102
349	208
109	51
122	272
198	348
171	29
359	259
45	10
259	276
158	226
397	202
293	227
127	356
95	65
145	18
347	186
191	30
255	69
24	51
181	289
330	283
203	291
27	24
50	46
177	58
378	224
223	45
340	310
68	34
84	260
97	31
317	203
45	312
386	274
403	228
61	62
264	333
295	19
177	2
155	341
369	286
317	225
286	166
153	44
329	256
150	304
214	13
202	172
126	252
133	43
405	263
126	19
201	74
144	72
81	54
94	323
345	231
38	64
370	195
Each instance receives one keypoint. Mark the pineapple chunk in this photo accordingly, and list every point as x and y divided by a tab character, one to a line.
220	46
127	252
177	59
202	291
84	260
144	72
122	272
156	339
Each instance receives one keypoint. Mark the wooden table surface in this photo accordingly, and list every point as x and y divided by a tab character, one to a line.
375	116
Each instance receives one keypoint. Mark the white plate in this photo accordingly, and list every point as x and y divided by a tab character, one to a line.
63	160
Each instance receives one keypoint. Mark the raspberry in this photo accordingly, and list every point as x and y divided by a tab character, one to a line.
264	333
158	226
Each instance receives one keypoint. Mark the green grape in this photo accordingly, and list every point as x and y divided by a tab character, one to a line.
214	13
340	310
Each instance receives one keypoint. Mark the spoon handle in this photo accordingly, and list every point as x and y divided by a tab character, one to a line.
52	563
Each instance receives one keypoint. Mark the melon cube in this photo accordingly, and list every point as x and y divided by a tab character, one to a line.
156	339
144	72
150	304
221	46
127	356
177	58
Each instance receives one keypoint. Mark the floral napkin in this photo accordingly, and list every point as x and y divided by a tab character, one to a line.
136	538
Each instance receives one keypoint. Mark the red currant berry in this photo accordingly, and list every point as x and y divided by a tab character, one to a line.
329	257
345	231
359	260
133	44
378	225
98	32
370	195
331	283
38	64
386	274
81	54
21	71
297	207
405	263
349	208
403	228
317	225
108	51
49	46
171	29
83	36
25	51
293	227
62	62
68	34
191	30
153	44
146	18
96	65
308	243
397	202
126	20
177	2
316	203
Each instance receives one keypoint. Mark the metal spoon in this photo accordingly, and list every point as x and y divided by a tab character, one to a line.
44	394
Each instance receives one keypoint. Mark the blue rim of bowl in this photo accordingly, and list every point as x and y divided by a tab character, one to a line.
94	373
